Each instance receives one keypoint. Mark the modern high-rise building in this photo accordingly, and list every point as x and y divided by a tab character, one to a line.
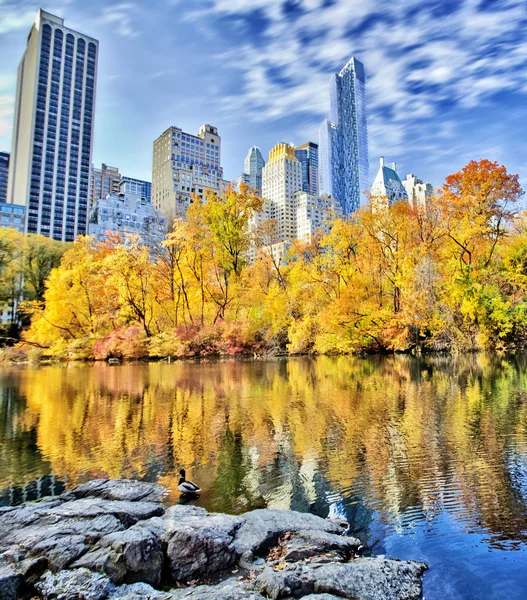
307	154
252	172
4	173
418	192
104	181
53	129
343	140
185	164
387	187
138	187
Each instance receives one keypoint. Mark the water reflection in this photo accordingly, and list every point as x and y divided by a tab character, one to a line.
391	443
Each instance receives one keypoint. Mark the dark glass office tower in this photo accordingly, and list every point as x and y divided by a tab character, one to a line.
343	142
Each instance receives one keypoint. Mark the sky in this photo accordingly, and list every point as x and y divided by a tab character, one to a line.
446	79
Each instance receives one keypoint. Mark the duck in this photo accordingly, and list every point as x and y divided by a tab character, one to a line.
187	487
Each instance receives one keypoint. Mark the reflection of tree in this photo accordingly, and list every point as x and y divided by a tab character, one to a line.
410	438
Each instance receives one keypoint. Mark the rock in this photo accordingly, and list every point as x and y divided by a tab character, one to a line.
262	528
79	584
360	579
322	597
127	512
134	555
118	489
306	544
60	541
198	543
138	591
10	582
207	592
198	552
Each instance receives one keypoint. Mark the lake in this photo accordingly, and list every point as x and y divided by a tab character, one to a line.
425	457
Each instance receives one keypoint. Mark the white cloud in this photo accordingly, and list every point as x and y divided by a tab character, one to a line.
120	16
462	58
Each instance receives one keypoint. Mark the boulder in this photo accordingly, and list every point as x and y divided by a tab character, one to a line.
118	489
224	592
307	544
321	597
10	582
138	591
360	579
261	528
127	512
198	543
78	584
134	555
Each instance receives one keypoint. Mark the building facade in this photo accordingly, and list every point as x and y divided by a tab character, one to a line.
281	178
253	167
12	215
4	175
387	187
127	214
314	214
307	154
418	192
53	129
185	164
138	187
343	140
104	181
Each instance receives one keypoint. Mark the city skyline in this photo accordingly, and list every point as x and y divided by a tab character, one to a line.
262	76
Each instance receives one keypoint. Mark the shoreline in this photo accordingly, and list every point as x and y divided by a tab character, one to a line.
116	539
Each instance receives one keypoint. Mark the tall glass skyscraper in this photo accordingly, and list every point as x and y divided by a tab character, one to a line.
343	139
307	154
53	129
252	170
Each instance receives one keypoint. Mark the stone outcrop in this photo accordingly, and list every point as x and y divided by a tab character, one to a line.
113	539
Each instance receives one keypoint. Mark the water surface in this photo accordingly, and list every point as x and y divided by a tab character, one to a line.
426	458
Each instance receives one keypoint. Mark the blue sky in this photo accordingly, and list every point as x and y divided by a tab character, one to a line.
446	79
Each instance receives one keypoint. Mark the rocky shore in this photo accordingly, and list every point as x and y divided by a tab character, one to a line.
115	540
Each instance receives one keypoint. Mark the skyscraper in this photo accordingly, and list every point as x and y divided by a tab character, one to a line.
307	154
281	178
253	166
53	129
4	172
185	164
343	141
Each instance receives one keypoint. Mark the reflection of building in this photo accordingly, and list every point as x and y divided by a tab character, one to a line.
127	214
307	154
104	181
253	166
4	172
343	147
418	192
387	185
185	164
137	187
53	129
314	213
12	215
